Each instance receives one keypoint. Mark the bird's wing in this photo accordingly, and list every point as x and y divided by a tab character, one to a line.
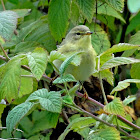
69	50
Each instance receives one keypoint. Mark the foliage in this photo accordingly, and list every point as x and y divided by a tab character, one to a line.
30	31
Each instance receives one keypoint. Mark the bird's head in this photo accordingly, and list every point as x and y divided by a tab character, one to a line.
79	34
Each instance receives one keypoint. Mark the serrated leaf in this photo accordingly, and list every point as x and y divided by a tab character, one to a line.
58	15
87	8
8	22
107	75
26	46
64	79
129	99
135	70
119	48
65	64
109	133
99	40
124	84
115	107
10	83
119	61
16	114
37	62
116	4
76	17
35	32
105	9
51	101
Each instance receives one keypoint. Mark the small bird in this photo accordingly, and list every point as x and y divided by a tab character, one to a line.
78	40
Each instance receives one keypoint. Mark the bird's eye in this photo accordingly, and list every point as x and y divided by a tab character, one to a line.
78	34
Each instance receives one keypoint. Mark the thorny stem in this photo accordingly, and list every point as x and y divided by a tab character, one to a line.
7	57
101	82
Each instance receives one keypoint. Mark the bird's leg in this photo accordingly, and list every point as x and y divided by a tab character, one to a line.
85	95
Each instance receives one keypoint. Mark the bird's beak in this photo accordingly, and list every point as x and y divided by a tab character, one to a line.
88	33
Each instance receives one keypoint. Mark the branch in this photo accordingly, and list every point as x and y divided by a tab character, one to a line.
7	57
3	5
102	106
108	124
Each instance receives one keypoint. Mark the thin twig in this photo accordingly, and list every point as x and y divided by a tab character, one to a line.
3	5
102	106
7	57
108	124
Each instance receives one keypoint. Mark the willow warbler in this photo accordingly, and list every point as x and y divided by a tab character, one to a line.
78	40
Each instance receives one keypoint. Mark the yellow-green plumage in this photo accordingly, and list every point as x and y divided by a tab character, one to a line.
78	40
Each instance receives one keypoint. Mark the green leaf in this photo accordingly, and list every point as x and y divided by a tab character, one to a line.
105	9
135	39
35	32
8	22
116	4
76	125
133	5
133	23
87	8
115	107
107	75
76	17
58	15
43	120
26	46
129	99
37	62
51	101
65	64
10	83
56	55
124	84
119	48
21	12
64	79
109	133
134	72
105	19
119	61
26	84
123	124
17	114
2	106
99	40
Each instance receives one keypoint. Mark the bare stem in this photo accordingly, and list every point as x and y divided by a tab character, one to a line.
7	57
101	82
102	106
3	5
108	124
